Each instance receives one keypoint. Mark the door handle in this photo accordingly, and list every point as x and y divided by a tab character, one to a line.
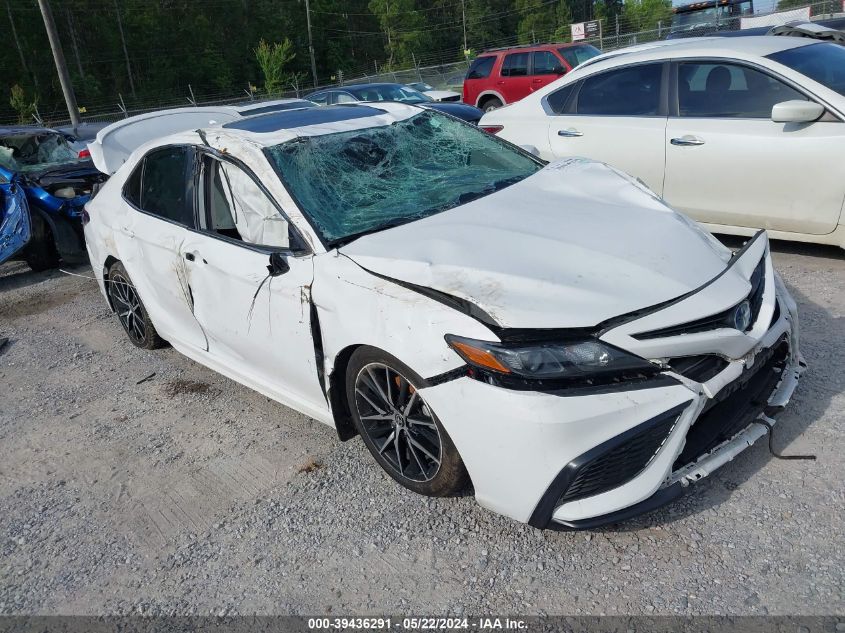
686	141
571	132
190	257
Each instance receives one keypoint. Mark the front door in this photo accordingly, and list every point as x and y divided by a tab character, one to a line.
545	68
728	163
257	323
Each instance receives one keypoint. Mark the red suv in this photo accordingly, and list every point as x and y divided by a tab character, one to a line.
504	75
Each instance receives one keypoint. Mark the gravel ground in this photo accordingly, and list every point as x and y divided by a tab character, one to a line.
188	493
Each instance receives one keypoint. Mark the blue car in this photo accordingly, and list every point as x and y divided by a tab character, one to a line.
44	185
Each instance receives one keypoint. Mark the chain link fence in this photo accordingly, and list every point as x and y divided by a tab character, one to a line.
444	70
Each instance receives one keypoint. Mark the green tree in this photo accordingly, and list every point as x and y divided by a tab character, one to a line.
22	104
272	59
644	15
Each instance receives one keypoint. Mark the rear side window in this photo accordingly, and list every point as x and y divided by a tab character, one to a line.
545	63
132	188
481	68
164	185
633	91
515	65
559	98
321	98
729	91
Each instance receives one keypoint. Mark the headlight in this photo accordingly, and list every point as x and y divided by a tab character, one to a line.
547	361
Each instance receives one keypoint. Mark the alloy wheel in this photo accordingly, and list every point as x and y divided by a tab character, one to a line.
398	422
128	307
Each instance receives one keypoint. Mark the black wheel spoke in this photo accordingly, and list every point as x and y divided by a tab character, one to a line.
410	446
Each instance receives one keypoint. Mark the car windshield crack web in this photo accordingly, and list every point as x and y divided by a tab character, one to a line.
356	182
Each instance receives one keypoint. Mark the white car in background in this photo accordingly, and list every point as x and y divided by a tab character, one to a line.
554	334
437	95
739	133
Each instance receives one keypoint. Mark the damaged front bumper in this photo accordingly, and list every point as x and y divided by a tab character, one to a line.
581	460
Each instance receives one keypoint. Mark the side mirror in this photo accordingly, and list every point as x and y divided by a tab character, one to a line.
560	70
278	264
796	111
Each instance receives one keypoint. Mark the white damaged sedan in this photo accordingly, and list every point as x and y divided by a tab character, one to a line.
553	334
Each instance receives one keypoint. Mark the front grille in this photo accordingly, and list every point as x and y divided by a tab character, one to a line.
619	460
724	319
735	406
698	368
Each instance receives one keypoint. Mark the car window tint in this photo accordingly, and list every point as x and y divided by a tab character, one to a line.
481	67
238	208
575	55
132	188
558	99
545	63
729	90
515	65
164	186
632	91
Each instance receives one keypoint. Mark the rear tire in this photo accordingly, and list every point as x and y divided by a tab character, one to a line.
491	103
130	310
41	254
399	428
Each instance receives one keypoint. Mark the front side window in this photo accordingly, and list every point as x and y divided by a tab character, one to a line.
515	65
320	98
361	181
164	185
545	63
389	92
711	90
343	97
823	62
236	207
481	67
631	91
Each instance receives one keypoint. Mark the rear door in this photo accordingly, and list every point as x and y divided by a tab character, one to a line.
160	196
15	227
514	81
545	68
728	163
616	116
257	324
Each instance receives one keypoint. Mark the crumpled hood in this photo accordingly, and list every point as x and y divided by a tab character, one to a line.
571	246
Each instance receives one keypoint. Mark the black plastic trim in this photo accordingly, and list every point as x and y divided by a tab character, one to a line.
542	515
659	499
447	376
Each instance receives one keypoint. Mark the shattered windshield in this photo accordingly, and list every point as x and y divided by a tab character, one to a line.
35	151
362	181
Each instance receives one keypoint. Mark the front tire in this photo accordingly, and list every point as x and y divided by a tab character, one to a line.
130	310
399	428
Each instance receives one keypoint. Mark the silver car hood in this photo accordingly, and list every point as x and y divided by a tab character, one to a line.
571	246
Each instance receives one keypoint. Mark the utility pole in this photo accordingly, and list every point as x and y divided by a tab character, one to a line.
311	43
464	17
125	51
59	57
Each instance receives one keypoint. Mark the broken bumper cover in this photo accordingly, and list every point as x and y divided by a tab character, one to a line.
582	461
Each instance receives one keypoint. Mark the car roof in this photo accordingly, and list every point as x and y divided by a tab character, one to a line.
7	130
306	117
530	47
759	46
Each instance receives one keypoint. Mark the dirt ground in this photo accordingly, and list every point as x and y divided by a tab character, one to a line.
188	493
